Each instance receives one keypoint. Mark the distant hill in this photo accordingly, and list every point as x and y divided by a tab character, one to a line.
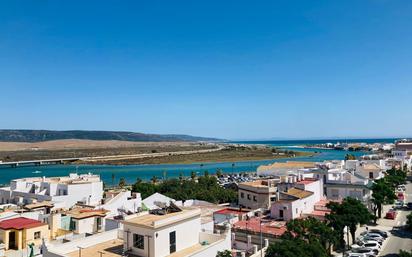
9	135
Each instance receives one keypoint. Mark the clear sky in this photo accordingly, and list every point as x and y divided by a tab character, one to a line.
228	69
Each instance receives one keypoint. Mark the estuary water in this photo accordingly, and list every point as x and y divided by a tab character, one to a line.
145	172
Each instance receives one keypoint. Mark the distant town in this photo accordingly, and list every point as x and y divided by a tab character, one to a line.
354	206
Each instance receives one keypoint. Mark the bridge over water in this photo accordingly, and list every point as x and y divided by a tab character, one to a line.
38	162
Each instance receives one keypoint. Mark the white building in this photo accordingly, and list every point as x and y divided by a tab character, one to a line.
342	183
298	200
84	188
176	233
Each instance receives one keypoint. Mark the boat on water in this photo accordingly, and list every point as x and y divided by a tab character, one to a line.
36	172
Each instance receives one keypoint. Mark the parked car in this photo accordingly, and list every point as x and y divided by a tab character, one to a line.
367	251
384	234
350	254
372	245
375	235
398	205
391	214
362	239
409	205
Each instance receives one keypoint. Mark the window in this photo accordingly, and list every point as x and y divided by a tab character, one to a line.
296	210
254	198
99	223
280	213
242	195
371	175
138	241
248	196
172	242
37	235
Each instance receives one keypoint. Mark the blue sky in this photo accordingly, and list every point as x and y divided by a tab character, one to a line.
229	69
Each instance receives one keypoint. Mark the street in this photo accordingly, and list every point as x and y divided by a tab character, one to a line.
399	239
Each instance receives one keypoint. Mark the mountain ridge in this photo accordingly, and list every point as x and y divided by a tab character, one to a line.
30	135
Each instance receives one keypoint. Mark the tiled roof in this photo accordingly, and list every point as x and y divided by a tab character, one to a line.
20	223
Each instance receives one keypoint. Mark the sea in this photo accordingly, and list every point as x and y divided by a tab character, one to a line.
145	172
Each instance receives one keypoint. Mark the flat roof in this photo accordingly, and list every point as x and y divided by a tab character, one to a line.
39	205
269	226
83	213
231	211
111	248
260	183
298	193
306	181
288	164
155	221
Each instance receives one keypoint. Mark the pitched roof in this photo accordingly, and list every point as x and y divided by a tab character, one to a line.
20	223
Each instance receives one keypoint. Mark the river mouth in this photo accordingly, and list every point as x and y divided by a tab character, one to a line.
146	171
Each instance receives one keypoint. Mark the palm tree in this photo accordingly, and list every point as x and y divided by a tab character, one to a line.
181	177
113	177
233	166
154	179
193	175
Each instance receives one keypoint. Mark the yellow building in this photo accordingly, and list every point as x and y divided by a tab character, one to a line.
17	233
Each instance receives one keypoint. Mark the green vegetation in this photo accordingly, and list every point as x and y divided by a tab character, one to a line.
350	157
383	190
225	253
311	230
122	183
205	188
351	212
382	193
409	221
295	247
403	253
304	237
8	135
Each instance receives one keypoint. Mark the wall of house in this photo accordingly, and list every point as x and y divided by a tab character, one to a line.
339	193
187	235
256	200
28	234
216	243
293	209
87	225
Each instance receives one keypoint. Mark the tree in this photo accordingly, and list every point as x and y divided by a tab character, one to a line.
403	253
154	179
113	177
311	230
295	247
205	188
122	183
219	173
225	253
351	212
409	221
350	157
395	177
181	177
382	193
193	175
206	174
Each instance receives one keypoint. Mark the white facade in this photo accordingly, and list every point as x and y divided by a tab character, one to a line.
85	188
292	206
149	235
342	183
121	203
